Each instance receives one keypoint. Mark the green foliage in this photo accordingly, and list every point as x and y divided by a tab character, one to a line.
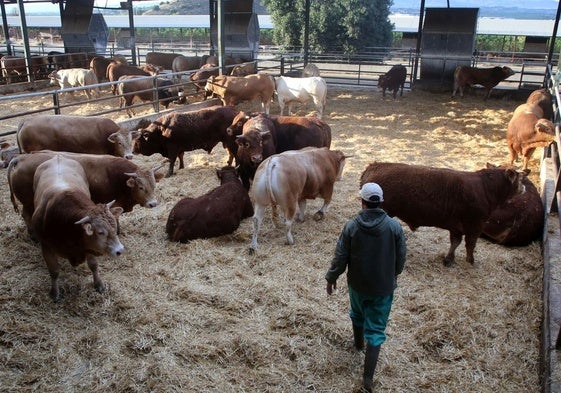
348	25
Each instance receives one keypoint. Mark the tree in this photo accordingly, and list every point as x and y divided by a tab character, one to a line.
348	25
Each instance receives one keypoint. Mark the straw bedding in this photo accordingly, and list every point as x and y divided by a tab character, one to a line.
207	316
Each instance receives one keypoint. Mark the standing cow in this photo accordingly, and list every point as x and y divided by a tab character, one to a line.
109	179
393	80
264	135
486	77
527	130
233	89
78	134
288	179
67	222
174	133
302	90
458	201
133	87
76	77
218	212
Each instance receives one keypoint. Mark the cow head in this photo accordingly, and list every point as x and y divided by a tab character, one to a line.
340	158
227	174
254	147
143	184
100	230
237	124
123	143
382	81
54	77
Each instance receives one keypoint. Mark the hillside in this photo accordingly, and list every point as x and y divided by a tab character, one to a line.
192	7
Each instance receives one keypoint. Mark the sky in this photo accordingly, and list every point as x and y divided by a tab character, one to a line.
50	8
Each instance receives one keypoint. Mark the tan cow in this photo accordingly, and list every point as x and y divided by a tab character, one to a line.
7	152
528	130
76	77
67	222
77	134
288	179
233	89
109	178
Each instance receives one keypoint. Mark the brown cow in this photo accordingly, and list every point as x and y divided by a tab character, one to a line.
458	201
290	178
218	212
186	63
109	178
67	222
133	87
543	99
244	69
518	221
117	70
14	67
78	134
162	59
264	135
200	77
99	64
174	133
233	90
486	77
393	80
7	152
528	130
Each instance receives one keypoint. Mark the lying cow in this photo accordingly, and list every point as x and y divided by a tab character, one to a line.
310	70
7	152
76	77
218	212
109	179
393	80
302	90
133	87
233	89
67	222
264	135
519	220
288	179
244	69
527	130
486	77
174	133
458	201
78	134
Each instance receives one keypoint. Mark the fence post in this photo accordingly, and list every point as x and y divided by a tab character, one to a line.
56	103
155	94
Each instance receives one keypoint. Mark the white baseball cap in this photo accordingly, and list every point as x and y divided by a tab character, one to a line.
372	192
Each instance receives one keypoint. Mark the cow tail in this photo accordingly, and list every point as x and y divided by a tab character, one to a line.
268	178
18	137
13	162
274	87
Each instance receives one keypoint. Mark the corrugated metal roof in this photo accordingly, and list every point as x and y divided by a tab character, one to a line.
403	23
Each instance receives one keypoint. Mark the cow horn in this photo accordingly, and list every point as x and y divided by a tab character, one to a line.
131	174
83	220
156	169
345	156
110	203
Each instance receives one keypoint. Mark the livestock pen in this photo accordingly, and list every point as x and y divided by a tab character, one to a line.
207	316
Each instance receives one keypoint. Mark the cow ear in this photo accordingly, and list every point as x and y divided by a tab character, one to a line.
86	225
116	211
240	140
511	175
131	182
134	134
166	132
145	134
158	176
111	138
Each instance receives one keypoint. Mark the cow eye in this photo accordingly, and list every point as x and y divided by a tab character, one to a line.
246	145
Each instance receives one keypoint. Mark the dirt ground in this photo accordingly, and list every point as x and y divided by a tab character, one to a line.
206	316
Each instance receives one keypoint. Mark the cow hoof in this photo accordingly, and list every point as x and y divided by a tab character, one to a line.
100	288
448	262
251	251
319	216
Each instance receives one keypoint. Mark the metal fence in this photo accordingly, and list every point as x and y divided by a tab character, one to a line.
361	70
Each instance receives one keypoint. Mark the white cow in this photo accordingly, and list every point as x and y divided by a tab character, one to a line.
302	90
75	77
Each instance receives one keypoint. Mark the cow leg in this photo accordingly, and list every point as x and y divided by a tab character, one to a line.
301	211
181	162
51	260
289	214
455	240
471	240
320	214
92	264
257	220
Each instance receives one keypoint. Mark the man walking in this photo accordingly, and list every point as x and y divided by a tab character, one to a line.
372	247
